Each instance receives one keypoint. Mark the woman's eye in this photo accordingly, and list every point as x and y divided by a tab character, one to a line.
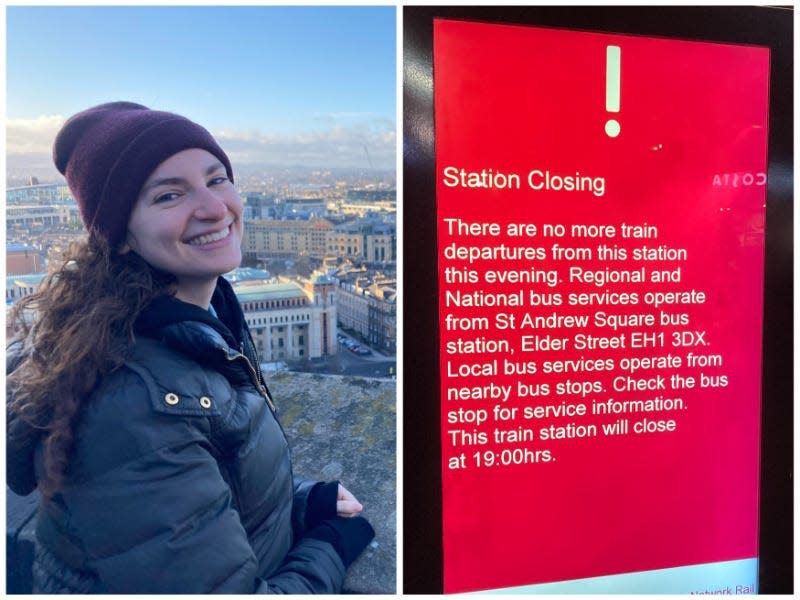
168	197
218	180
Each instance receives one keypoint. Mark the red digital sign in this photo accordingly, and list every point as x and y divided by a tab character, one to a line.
600	205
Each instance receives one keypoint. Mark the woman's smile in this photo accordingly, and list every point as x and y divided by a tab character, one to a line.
208	238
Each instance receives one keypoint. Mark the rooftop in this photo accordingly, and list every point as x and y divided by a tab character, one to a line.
36	186
253	291
322	278
246	274
24	280
19	248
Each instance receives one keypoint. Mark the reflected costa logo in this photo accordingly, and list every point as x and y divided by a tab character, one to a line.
745	179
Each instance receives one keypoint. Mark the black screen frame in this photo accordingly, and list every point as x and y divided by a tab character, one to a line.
422	499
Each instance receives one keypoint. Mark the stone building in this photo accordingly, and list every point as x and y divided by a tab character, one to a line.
34	216
286	239
381	244
369	308
22	259
365	239
290	320
38	194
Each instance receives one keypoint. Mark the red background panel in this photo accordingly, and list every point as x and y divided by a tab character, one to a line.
516	98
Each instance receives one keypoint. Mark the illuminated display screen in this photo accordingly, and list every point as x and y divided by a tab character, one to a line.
600	214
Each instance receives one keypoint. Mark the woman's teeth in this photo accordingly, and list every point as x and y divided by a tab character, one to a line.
211	237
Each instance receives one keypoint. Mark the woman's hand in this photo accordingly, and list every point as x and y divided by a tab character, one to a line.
346	503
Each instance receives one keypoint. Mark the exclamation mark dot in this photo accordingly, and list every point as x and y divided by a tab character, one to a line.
612	88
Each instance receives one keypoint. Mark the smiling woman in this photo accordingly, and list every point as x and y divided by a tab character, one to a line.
187	221
135	400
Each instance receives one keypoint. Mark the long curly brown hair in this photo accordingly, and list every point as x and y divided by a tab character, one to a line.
77	327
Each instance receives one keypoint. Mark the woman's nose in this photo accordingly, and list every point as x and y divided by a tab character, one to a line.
210	205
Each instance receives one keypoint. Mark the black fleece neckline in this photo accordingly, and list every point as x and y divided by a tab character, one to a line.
168	310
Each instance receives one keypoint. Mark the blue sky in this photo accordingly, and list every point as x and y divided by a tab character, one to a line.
294	83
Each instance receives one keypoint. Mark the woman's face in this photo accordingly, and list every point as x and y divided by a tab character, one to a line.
188	221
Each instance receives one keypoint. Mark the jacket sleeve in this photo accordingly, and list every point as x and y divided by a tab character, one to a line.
311	567
156	514
21	438
302	490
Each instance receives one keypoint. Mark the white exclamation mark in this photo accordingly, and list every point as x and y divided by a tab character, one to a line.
612	88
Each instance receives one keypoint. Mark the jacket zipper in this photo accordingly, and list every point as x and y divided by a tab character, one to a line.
253	376
251	352
252	347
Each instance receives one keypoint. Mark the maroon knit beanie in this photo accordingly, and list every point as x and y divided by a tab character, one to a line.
107	153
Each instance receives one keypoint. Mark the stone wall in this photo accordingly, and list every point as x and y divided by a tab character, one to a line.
344	428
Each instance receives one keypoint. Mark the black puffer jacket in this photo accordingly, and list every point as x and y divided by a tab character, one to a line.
181	479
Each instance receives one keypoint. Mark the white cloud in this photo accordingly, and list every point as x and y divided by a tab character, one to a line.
354	146
24	136
360	145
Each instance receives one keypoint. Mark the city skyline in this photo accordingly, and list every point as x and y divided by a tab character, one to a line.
311	86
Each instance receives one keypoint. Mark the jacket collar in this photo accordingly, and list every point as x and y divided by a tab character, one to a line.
165	311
